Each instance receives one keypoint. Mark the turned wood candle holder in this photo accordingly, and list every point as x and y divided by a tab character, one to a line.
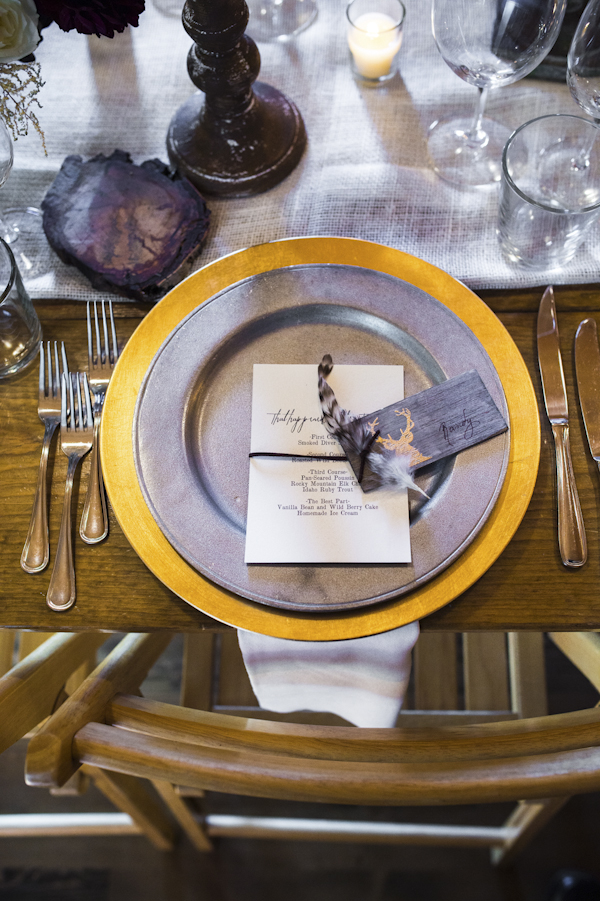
237	137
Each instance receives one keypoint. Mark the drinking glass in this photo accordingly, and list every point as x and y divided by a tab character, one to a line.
279	20
548	202
487	43
20	329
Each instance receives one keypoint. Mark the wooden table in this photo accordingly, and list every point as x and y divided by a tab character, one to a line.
528	588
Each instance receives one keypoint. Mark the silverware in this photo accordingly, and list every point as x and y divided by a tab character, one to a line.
94	519
587	367
76	436
571	531
36	551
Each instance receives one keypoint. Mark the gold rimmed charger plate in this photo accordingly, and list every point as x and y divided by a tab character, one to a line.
164	561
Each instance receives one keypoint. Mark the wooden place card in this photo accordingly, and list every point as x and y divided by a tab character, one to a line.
428	426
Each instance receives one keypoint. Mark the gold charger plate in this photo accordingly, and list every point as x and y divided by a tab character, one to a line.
163	560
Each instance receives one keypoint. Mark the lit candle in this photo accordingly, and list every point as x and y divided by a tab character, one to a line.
374	39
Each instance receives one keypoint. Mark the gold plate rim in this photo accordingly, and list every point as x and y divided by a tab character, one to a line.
162	559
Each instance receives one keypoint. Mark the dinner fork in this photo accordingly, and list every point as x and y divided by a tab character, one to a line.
76	436
94	519
36	551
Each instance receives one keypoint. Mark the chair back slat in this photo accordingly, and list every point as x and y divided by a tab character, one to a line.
334	781
485	669
510	738
435	671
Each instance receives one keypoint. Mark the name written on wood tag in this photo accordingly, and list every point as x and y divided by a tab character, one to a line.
430	425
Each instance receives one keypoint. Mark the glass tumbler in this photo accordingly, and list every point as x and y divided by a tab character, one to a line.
550	190
20	329
374	38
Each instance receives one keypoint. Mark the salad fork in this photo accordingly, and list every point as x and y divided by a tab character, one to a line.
76	436
94	519
36	551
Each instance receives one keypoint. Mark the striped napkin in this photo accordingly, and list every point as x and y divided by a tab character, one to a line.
362	680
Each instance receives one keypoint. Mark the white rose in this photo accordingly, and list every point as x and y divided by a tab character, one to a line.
19	35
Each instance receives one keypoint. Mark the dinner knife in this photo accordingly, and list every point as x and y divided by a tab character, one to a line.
587	367
571	531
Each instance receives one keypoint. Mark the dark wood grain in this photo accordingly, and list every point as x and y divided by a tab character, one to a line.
527	588
234	137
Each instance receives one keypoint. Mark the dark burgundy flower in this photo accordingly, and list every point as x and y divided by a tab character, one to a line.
101	17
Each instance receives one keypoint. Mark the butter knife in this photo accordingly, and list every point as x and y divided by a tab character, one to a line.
587	367
571	531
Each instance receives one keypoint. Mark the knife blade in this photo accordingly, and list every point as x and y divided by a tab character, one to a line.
571	531
587	368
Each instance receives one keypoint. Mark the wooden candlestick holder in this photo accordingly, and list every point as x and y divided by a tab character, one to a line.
233	139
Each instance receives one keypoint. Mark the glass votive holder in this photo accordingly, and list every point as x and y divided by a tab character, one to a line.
20	329
549	190
374	38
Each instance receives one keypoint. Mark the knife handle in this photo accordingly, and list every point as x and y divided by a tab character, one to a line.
571	531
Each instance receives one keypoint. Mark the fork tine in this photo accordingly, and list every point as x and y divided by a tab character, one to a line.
88	402
79	411
97	329
89	337
106	348
115	347
63	354
55	372
63	402
71	410
42	368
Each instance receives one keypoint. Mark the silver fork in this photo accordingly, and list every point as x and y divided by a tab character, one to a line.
36	551
94	519
76	436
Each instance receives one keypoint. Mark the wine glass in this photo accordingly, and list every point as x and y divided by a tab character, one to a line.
6	164
21	227
487	43
279	20
583	75
583	70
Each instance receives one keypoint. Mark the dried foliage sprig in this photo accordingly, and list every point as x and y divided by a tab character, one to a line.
20	83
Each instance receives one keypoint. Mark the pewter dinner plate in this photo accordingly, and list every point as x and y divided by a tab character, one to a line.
191	432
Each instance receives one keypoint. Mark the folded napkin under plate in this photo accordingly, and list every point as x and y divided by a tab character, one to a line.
362	680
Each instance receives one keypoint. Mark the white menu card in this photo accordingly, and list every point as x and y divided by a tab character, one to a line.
314	511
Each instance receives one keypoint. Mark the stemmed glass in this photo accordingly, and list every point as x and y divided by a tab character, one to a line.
6	163
18	225
279	20
487	43
583	65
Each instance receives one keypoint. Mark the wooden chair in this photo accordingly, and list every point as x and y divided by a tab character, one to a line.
48	668
536	760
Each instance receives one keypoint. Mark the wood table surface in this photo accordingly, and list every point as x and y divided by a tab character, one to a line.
527	588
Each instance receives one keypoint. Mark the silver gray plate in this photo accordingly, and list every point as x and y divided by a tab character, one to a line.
192	425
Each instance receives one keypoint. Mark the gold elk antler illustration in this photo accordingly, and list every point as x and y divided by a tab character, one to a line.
403	444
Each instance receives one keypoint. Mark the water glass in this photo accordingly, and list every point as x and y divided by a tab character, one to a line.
20	329
550	190
374	38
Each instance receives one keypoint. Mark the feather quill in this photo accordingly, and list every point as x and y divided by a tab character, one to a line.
391	469
337	421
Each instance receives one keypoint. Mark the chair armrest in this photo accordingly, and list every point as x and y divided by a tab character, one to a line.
29	690
49	760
